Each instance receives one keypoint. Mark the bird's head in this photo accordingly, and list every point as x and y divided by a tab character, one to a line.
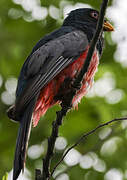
86	18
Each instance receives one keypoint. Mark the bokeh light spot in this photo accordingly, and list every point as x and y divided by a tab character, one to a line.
39	13
105	132
102	86
60	143
15	13
10	85
110	146
35	151
86	161
100	165
118	13
7	98
114	96
72	158
34	6
113	174
54	12
63	176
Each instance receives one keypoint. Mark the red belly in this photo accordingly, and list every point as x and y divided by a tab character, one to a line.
46	98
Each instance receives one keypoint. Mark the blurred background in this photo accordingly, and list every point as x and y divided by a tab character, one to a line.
103	155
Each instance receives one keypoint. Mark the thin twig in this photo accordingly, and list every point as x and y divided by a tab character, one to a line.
83	137
67	104
51	143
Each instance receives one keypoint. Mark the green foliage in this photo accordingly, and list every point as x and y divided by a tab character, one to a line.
18	34
5	177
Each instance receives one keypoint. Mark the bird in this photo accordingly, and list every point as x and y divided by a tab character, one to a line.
47	74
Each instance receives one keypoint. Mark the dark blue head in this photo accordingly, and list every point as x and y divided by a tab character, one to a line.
85	18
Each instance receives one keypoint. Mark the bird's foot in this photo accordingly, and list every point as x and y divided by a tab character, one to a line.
76	86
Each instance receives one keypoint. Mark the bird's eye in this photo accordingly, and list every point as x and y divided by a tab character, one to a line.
94	15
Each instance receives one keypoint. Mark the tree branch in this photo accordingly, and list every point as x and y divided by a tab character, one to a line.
66	105
85	135
51	143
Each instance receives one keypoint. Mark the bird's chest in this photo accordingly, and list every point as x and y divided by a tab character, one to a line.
57	89
68	75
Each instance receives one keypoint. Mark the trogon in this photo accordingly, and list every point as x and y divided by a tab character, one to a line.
48	72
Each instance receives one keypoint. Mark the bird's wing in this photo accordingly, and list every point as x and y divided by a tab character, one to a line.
47	62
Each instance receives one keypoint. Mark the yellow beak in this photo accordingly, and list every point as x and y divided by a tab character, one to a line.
107	26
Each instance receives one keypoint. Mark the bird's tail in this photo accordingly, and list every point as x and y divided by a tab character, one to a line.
22	140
